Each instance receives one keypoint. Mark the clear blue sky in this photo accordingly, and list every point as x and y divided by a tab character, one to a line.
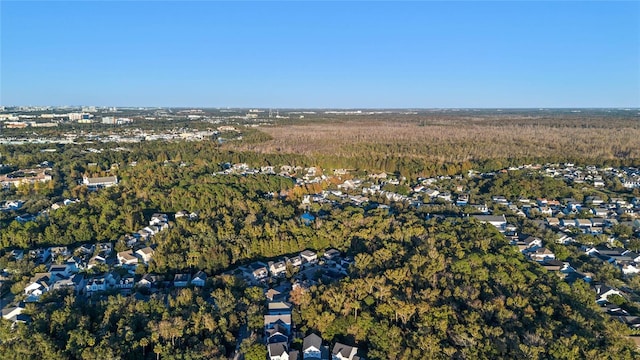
321	54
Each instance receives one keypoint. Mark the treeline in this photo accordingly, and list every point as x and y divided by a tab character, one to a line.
71	162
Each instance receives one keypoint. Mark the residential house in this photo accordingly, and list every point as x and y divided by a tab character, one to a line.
279	308
344	352
552	221
483	208
542	254
594	200
295	261
584	224
59	251
99	182
277	335
60	270
38	285
152	229
181	214
273	294
445	196
331	254
432	193
630	269
125	283
105	249
603	292
181	280
95	284
14	313
553	265
500	222
127	258
199	279
462	200
284	320
96	260
635	257
278	351
631	321
562	238
17	254
76	282
86	249
600	212
149	280
144	235
40	256
312	348
131	239
309	256
545	211
258	271
158	218
277	268
500	200
145	254
529	244
74	264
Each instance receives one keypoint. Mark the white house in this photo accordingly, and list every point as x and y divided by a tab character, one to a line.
127	258
199	279
542	254
603	292
312	347
277	268
98	283
278	351
258	271
309	256
630	269
145	254
99	182
158	218
38	285
12	312
499	221
344	352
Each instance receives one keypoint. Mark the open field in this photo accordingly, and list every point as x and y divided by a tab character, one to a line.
455	138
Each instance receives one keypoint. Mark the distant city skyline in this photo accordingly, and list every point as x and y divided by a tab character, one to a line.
357	55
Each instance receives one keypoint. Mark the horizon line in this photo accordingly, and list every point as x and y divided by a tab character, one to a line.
339	108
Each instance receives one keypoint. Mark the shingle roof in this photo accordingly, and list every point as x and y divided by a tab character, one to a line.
277	349
345	351
312	340
102	180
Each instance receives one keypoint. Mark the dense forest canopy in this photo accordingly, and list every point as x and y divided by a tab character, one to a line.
419	287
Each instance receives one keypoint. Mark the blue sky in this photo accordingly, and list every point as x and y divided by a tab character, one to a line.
321	54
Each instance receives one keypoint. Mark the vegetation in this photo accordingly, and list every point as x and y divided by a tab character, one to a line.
457	290
418	289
